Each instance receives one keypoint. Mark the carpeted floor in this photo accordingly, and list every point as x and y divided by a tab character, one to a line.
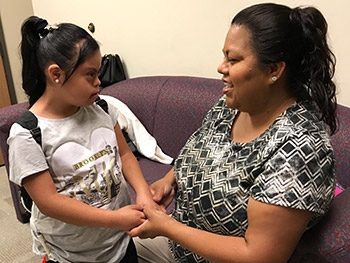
15	237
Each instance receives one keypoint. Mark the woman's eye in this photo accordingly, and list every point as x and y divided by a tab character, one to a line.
232	60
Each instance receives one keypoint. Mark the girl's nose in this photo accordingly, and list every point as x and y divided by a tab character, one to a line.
98	83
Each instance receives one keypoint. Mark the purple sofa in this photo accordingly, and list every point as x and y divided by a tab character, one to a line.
171	108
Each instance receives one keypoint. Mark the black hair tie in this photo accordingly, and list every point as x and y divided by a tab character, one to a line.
40	27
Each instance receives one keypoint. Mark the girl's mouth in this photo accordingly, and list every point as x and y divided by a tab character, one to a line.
95	95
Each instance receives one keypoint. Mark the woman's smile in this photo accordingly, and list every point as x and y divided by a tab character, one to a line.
228	87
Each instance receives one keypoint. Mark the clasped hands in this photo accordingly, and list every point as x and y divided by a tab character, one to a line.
156	218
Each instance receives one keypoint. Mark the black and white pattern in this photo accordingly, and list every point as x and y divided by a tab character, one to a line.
291	164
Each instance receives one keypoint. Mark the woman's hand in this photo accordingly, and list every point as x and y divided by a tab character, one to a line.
163	190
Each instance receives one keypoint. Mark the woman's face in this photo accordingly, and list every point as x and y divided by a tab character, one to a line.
246	82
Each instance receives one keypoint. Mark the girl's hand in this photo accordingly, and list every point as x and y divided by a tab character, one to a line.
145	199
129	217
157	224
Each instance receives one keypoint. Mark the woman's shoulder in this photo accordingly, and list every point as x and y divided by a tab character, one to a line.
299	125
304	117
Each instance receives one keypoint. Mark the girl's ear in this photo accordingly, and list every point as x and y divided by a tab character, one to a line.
55	74
277	71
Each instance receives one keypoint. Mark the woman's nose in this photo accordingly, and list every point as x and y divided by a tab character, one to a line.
222	67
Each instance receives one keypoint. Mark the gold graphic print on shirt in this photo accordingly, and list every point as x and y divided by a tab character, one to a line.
91	175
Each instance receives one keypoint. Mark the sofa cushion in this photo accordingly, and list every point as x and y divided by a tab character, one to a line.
171	108
178	116
140	95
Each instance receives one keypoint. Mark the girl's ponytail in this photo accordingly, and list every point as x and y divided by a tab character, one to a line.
33	79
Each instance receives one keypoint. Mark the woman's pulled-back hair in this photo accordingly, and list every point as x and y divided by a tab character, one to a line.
299	38
66	45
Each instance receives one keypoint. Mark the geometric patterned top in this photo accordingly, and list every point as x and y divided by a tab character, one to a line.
291	164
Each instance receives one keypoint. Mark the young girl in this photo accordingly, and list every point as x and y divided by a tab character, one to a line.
76	179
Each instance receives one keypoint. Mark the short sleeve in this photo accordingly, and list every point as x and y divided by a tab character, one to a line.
299	174
25	154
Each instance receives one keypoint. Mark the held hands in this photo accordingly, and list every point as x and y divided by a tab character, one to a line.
157	224
129	217
132	216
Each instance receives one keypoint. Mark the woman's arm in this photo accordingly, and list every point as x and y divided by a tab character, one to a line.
42	190
272	235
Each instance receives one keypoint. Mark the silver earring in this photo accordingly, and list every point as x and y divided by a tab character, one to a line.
274	78
57	81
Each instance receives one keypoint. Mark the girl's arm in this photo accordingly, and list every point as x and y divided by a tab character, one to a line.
132	171
42	190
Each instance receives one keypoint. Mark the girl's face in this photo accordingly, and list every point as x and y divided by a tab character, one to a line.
246	81
82	88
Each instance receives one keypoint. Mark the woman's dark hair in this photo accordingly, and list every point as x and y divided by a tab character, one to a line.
299	38
66	45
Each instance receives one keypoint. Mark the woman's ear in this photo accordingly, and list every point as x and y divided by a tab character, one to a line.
277	71
55	74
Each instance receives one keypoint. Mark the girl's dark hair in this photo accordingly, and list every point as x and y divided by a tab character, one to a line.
66	45
299	38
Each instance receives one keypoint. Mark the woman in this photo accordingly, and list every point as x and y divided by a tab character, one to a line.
260	170
77	177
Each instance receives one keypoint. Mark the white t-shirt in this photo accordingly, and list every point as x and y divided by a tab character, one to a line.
81	153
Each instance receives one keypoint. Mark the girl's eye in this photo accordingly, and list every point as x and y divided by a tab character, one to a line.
92	74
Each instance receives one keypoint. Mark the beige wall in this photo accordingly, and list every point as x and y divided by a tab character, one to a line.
12	14
181	37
